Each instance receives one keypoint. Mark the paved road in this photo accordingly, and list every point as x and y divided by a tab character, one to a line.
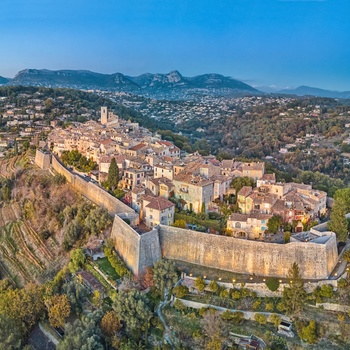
167	333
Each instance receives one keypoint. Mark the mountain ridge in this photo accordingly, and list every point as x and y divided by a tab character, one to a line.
156	84
304	90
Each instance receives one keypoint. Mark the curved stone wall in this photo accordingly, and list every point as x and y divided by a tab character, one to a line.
316	261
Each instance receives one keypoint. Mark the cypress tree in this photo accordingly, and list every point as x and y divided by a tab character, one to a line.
113	175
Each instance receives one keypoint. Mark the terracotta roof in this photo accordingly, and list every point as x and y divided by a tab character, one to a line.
106	142
238	217
227	164
245	191
137	147
158	203
269	177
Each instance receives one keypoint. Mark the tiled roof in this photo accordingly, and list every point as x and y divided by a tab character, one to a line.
158	203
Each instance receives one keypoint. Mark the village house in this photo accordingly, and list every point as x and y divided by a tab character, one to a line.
157	210
251	226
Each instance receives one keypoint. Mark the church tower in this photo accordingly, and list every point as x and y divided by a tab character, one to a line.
104	114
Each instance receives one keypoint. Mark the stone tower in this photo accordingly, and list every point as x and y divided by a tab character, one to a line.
104	114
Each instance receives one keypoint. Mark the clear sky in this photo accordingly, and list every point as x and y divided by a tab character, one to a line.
262	42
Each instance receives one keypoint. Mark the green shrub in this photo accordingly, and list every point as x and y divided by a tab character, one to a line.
272	284
116	262
260	318
180	291
275	319
238	317
342	283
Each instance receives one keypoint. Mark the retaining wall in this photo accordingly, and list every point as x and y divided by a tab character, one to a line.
316	261
262	290
248	315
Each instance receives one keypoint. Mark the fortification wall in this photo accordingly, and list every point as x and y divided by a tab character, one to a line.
150	250
244	256
127	244
60	169
42	159
93	192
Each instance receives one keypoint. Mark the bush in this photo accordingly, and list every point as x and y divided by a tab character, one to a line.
275	319
343	283
116	262
59	180
256	304
180	291
260	318
227	315
309	333
179	305
269	306
272	284
238	317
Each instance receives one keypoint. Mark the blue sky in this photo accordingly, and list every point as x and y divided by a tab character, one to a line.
262	42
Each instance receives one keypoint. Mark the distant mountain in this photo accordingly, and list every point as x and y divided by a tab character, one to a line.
171	85
172	79
218	81
71	78
311	91
3	80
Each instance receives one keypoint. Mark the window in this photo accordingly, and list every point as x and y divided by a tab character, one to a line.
238	225
151	217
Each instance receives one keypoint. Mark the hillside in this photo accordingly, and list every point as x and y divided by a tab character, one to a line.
3	80
41	218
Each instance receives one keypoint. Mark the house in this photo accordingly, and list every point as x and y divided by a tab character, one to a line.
163	170
194	191
131	178
250	226
157	210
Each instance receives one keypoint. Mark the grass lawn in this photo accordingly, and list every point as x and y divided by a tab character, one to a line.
104	265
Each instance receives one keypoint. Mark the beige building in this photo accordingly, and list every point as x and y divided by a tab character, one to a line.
195	192
157	210
248	226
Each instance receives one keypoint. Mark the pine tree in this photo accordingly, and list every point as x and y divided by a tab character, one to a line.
113	175
294	296
338	222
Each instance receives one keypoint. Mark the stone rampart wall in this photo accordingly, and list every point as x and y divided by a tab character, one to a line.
60	169
42	159
316	261
127	244
91	191
149	249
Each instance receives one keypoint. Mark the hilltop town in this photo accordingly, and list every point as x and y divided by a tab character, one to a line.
153	170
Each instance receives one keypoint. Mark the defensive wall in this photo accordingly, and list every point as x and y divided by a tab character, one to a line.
316	261
137	251
91	191
42	159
